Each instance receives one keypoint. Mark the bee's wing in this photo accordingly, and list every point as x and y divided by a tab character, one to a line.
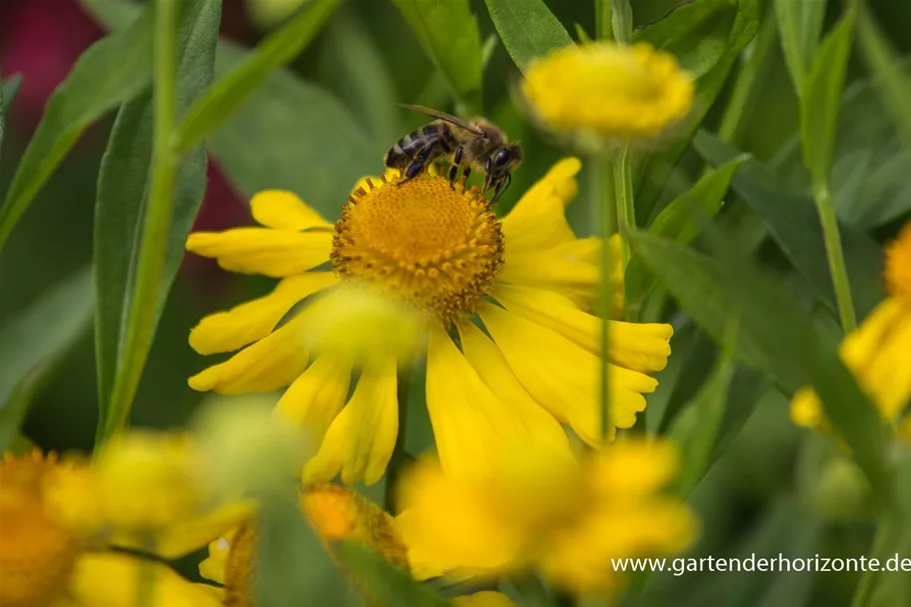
447	117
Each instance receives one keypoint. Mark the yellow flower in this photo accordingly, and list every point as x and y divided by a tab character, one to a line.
441	251
608	91
335	514
569	520
486	598
877	352
44	563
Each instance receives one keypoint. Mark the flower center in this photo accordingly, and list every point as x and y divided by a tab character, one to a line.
36	555
437	247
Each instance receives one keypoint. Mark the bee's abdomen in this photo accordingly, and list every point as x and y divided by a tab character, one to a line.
405	149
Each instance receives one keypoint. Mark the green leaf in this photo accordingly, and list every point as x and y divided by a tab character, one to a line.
683	219
112	70
113	15
122	192
821	99
697	33
9	89
321	166
794	223
653	174
774	333
449	33
232	89
799	27
893	83
528	29
696	354
391	586
581	34
34	341
353	66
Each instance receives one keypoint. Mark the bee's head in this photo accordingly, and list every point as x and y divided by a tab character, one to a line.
505	159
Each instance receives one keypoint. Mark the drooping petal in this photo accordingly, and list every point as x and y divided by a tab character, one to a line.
283	210
538	220
360	440
253	320
316	397
110	580
474	429
265	366
637	346
275	253
563	377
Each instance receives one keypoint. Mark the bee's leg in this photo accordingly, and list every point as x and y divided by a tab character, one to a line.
502	184
420	161
466	174
487	180
454	170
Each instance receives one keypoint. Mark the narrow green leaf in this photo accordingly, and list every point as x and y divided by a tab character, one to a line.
799	26
123	188
353	66
2	111
581	34
794	223
114	69
321	167
697	33
10	88
773	332
449	33
698	440
821	99
893	83
232	90
391	586
696	355
33	342
653	175
528	29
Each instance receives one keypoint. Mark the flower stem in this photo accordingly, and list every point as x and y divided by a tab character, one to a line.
138	332
826	208
623	195
601	206
603	28
884	532
399	456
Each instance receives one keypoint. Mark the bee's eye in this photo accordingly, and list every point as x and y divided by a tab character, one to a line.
502	156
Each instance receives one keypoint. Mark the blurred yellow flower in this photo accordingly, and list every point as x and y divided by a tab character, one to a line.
608	91
440	252
486	598
567	519
44	563
335	513
877	352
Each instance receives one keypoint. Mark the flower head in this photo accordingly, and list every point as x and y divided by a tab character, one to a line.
876	353
566	519
503	305
607	91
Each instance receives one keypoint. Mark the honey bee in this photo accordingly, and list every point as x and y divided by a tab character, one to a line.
479	143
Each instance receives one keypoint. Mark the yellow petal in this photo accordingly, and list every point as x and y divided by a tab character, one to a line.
485	598
360	440
472	428
538	220
192	535
640	347
275	253
283	210
316	397
449	523
564	377
806	409
110	580
213	566
268	365
253	320
632	468
576	279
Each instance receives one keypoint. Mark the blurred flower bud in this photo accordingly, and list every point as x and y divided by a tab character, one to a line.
841	492
266	14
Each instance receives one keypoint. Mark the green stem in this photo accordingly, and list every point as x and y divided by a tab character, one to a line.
138	334
399	456
601	206
867	585
623	195
826	208
603	28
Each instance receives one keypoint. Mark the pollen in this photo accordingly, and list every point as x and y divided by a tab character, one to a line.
36	555
436	246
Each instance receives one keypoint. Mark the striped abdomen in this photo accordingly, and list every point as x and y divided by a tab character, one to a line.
437	135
